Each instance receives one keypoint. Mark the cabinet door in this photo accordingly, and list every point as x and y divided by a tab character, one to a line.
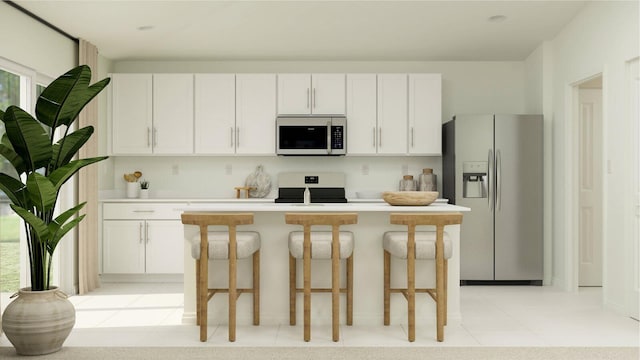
215	113
361	114
328	94
256	114
131	114
425	114
392	113
123	247
294	94
164	247
173	114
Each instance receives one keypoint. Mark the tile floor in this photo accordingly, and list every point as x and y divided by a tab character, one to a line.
150	315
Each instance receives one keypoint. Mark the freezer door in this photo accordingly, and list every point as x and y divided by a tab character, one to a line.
519	195
473	146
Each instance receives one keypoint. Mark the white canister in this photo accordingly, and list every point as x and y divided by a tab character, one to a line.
133	189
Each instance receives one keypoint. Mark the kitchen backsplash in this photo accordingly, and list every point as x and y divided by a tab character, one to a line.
216	177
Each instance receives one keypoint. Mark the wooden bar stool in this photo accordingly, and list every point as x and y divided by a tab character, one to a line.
414	245
222	245
334	245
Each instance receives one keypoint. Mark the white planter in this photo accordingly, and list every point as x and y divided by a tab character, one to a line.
38	322
144	193
133	189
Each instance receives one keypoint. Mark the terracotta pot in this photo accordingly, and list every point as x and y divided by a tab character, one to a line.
38	322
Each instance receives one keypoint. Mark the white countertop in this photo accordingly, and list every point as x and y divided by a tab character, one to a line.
340	207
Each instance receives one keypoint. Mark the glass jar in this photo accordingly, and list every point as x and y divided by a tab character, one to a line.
407	183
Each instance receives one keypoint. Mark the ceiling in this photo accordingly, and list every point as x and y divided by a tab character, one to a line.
309	30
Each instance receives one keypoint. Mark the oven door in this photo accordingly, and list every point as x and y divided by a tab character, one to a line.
303	136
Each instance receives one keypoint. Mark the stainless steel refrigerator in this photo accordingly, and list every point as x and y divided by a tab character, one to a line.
493	164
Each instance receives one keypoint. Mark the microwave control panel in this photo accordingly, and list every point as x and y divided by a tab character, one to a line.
337	137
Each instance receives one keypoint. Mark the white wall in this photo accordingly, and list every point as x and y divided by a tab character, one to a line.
468	87
31	44
599	40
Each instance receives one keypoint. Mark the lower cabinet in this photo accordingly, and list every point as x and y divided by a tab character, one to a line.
142	239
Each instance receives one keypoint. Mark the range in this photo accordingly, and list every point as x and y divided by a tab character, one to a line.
325	187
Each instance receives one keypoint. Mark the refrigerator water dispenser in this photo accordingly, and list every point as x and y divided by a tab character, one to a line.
474	179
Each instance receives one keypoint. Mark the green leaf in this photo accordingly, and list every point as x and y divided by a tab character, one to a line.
28	138
59	176
62	218
6	151
41	191
58	228
38	225
55	239
14	189
65	149
61	102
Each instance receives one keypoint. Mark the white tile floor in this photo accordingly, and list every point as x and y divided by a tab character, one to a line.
151	315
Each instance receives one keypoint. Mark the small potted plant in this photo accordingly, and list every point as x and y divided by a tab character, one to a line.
144	189
42	150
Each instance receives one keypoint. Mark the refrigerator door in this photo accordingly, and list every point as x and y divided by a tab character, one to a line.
473	146
518	205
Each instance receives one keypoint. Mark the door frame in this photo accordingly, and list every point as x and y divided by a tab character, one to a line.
572	245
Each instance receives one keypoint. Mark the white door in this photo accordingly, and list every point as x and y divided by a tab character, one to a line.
173	113
294	94
164	247
392	114
256	114
215	113
131	113
361	114
425	114
590	187
123	247
328	94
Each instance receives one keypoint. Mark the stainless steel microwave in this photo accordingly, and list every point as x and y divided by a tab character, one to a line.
311	135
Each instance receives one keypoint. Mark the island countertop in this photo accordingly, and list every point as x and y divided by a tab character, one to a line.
319	207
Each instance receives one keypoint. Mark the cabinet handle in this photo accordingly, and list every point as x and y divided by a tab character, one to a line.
143	211
380	137
140	233
237	137
374	137
155	136
307	98
148	136
412	137
314	98
231	137
146	232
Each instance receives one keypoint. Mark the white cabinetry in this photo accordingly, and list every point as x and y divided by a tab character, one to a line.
215	113
362	126
142	238
152	114
392	114
425	114
131	113
301	94
255	114
172	114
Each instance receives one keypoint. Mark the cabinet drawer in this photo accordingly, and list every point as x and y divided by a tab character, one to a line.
169	211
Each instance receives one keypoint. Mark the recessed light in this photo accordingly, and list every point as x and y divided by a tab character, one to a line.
145	27
497	18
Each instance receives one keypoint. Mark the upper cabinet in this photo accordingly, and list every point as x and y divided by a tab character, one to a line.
131	113
362	118
152	114
425	114
392	114
215	113
304	94
255	114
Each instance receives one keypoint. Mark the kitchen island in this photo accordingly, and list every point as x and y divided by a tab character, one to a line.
373	221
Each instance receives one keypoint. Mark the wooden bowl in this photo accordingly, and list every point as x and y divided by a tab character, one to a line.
410	198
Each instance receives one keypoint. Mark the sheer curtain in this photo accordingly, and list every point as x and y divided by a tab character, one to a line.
88	183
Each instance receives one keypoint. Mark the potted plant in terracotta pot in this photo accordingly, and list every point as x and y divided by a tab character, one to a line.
42	151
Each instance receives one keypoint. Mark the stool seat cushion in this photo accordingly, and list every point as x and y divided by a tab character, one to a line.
320	244
395	242
247	243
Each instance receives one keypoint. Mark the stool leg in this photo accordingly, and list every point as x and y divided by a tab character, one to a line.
440	306
292	290
256	287
203	286
387	286
446	282
198	292
350	290
232	299
335	291
306	264
411	290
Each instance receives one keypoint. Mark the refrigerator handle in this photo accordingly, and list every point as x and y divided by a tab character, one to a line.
498	180
490	180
